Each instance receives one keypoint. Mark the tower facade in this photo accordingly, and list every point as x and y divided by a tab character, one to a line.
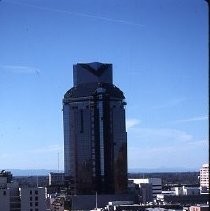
204	178
95	138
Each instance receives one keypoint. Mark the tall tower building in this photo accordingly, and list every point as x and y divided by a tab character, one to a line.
204	178
95	138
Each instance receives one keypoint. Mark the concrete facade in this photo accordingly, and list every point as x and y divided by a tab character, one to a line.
156	184
56	179
33	199
5	199
9	193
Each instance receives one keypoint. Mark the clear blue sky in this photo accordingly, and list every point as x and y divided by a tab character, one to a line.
159	51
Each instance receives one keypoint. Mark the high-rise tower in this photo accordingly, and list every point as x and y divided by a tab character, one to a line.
95	139
204	178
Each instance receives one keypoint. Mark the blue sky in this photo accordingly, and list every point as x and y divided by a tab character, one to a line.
159	52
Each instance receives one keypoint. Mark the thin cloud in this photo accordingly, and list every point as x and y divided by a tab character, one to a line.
130	123
5	155
48	149
160	136
177	154
168	134
50	155
81	14
42	150
199	143
194	119
170	103
20	69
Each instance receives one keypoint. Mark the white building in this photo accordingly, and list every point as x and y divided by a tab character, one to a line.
204	178
155	182
187	191
33	199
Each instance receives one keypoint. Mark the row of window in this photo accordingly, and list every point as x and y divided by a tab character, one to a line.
36	192
92	107
36	198
36	204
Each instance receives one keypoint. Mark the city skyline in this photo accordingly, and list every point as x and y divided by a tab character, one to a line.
159	52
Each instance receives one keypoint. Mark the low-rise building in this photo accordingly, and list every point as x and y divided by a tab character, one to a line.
56	179
186	190
199	207
182	199
155	184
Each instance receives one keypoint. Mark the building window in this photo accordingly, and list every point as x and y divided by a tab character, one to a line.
36	204
30	198
36	192
31	204
4	193
30	192
36	198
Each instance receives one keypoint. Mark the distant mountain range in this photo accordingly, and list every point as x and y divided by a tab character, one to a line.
31	172
161	170
40	172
